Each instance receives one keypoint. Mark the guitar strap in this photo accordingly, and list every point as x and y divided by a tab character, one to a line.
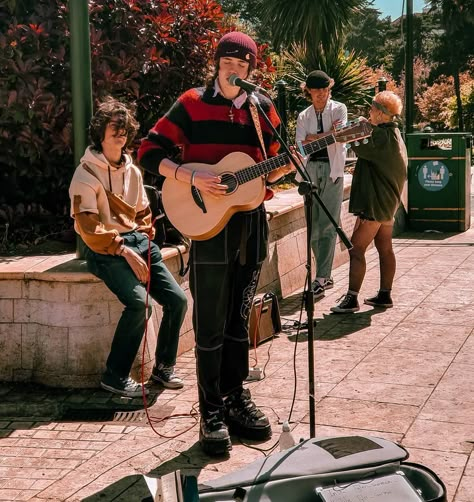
256	122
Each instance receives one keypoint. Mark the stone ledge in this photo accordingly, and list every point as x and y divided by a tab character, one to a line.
56	268
288	200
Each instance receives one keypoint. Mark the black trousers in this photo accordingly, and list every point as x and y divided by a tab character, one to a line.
223	296
223	280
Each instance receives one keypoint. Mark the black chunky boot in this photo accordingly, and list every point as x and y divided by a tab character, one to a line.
245	419
213	434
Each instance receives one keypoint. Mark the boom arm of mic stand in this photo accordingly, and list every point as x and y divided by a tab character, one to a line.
305	186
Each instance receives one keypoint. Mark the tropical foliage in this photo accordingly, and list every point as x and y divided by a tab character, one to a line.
456	43
142	51
350	75
318	25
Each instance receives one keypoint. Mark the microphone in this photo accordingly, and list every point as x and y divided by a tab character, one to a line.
244	84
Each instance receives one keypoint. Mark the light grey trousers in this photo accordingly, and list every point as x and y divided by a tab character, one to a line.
323	233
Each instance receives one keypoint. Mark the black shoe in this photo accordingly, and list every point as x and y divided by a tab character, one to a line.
166	376
381	300
348	304
318	290
328	283
123	386
213	434
245	419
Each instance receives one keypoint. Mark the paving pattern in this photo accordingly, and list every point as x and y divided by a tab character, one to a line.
405	374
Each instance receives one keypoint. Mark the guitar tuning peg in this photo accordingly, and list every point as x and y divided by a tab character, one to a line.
348	146
365	141
356	143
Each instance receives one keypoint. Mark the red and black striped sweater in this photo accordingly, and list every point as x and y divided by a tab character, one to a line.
200	124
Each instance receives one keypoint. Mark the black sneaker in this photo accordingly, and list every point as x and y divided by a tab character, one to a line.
166	376
213	434
381	300
318	290
245	419
328	283
126	387
349	304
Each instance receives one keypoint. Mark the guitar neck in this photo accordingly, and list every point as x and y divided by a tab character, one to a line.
269	165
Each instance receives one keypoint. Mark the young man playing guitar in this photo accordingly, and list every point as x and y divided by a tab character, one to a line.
326	170
209	123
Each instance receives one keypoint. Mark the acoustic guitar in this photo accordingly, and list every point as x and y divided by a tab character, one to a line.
200	216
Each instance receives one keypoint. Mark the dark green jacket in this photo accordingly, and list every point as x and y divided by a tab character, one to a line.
380	174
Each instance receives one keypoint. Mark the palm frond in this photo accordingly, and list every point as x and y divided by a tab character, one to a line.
349	72
315	23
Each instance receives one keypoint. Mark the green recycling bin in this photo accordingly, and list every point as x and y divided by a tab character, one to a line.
439	181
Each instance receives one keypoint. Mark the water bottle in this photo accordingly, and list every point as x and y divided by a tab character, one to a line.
286	437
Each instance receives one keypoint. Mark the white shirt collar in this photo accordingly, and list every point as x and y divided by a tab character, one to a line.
238	101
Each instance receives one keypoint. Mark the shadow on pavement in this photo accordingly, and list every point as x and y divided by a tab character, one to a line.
134	488
335	326
128	489
28	406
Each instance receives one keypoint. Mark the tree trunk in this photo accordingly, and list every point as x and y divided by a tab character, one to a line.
457	91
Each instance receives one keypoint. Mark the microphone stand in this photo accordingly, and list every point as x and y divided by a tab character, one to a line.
308	191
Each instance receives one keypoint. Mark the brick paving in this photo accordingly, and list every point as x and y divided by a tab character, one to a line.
406	374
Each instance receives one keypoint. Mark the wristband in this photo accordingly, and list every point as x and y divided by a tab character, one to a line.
193	175
176	171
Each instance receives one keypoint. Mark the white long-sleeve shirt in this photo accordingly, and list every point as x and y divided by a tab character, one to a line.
307	123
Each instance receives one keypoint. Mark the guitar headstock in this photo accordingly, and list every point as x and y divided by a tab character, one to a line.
354	132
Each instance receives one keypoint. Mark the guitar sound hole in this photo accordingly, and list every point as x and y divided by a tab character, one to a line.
231	181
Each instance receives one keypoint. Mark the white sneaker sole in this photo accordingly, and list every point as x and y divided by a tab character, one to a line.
338	310
167	385
124	393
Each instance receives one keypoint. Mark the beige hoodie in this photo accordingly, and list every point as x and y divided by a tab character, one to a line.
99	227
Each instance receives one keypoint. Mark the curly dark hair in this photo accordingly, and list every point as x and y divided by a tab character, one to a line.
110	109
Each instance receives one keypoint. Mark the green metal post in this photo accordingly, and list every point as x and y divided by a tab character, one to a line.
81	84
382	84
409	99
281	106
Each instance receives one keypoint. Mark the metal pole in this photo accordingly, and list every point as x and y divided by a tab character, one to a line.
409	100
281	107
81	82
382	84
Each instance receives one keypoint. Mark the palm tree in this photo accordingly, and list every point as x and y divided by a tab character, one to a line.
349	72
318	24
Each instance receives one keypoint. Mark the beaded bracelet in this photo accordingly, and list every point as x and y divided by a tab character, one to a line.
176	171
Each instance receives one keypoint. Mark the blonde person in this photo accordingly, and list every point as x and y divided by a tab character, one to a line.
377	185
326	170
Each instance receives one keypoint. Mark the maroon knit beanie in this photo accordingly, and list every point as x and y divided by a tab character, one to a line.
237	45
